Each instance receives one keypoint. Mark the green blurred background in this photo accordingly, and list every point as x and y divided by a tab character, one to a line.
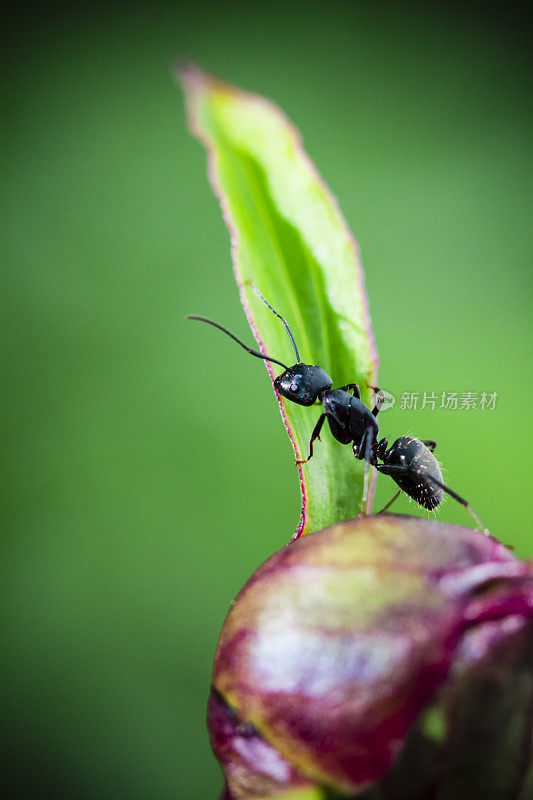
143	486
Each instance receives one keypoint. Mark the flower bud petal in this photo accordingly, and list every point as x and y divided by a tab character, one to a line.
340	643
252	767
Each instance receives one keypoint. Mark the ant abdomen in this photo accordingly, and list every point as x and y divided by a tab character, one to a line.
422	476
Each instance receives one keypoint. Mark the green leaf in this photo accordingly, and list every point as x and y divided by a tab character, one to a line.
290	240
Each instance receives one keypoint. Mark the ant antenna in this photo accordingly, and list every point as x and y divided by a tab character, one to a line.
248	349
291	337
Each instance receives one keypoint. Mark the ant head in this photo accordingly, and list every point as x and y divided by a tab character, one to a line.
303	383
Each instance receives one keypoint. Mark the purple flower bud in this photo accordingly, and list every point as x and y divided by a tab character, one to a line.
389	656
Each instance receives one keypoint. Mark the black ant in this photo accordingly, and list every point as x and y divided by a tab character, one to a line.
409	462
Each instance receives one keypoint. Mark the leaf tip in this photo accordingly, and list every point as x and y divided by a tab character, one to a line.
196	81
188	74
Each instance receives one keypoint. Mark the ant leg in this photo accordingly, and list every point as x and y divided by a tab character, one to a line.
399	470
430	444
394	469
367	441
314	435
388	505
379	402
354	389
461	500
379	399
